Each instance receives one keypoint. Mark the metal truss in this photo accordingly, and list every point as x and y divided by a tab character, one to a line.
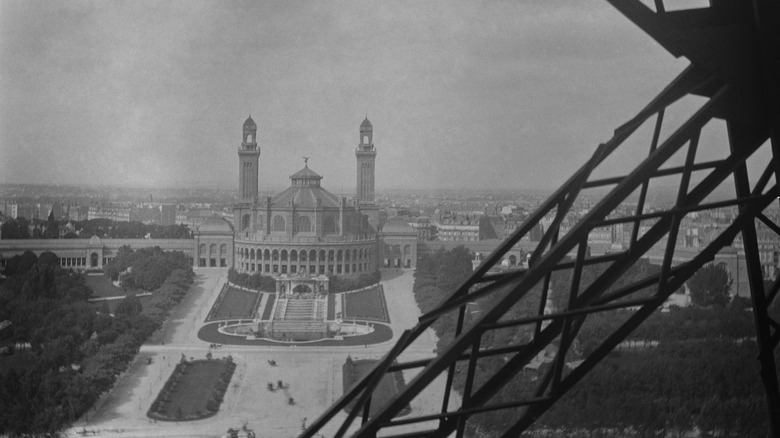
734	49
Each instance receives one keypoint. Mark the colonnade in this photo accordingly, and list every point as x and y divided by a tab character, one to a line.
335	259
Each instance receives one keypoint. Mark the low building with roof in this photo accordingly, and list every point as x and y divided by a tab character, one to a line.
399	244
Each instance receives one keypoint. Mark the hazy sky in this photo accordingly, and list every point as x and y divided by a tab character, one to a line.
513	94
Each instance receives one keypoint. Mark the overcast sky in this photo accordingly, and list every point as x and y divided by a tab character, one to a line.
511	94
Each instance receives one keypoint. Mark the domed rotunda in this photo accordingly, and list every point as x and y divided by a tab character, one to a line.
303	231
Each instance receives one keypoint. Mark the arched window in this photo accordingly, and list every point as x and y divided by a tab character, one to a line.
360	254
266	255
261	221
249	138
346	255
365	139
293	256
303	256
303	224
330	255
245	221
278	223
313	255
223	249
354	254
202	249
329	225
338	255
284	255
213	249
275	255
322	255
252	254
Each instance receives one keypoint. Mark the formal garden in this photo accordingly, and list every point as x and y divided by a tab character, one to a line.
59	350
368	304
194	391
390	385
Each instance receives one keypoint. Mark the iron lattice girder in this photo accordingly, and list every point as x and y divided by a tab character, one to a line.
751	117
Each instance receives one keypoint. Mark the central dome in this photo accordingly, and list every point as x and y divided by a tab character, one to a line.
249	123
366	123
305	173
305	191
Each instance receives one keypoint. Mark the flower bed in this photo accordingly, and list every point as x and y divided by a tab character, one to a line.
194	390
234	303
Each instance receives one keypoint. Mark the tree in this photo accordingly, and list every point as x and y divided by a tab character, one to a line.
130	306
710	286
27	261
48	258
52	229
15	229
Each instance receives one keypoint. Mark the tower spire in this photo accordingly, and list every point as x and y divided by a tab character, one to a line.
248	157
366	156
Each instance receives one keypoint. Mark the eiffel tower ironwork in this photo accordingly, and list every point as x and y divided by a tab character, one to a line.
734	50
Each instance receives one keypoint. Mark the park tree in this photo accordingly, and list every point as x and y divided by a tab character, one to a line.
15	229
48	308
710	286
26	261
48	258
130	306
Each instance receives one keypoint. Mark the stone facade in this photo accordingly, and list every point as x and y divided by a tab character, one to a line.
399	244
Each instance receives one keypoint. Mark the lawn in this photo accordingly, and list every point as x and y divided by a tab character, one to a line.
102	287
194	390
331	307
389	386
269	307
368	304
234	303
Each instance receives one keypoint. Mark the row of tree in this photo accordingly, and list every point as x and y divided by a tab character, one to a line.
257	281
692	367
145	268
76	349
437	276
336	283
